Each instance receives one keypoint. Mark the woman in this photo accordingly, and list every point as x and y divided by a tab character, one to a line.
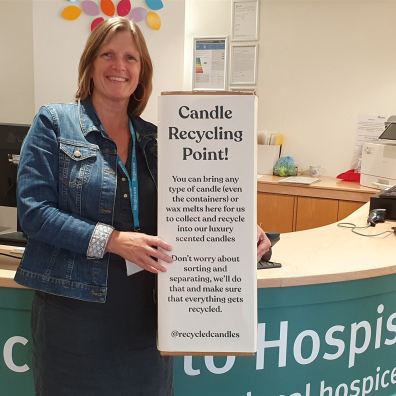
87	173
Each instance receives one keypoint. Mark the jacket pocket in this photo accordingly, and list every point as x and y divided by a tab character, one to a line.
78	151
76	163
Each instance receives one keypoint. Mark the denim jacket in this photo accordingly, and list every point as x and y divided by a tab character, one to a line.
67	180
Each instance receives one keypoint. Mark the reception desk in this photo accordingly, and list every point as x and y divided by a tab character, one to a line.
290	207
15	341
327	322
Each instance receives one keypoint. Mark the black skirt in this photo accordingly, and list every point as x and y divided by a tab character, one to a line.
83	349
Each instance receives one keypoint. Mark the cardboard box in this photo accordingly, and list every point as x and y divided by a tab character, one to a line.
207	299
267	155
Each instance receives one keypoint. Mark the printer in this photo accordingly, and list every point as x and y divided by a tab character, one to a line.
378	164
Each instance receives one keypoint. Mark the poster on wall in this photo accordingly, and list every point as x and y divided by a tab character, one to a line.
243	67
245	20
210	63
207	212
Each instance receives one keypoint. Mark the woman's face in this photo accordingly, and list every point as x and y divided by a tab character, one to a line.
116	69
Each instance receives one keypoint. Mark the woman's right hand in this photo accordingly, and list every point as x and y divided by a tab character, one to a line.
141	249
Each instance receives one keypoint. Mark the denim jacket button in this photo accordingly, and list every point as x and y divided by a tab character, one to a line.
77	154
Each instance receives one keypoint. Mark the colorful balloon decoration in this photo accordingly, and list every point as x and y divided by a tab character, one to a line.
153	20
90	8
96	22
154	4
71	12
124	8
107	7
138	14
103	9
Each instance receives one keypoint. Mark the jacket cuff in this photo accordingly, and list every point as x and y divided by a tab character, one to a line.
98	242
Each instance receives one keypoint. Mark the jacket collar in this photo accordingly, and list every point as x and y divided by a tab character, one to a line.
145	131
89	120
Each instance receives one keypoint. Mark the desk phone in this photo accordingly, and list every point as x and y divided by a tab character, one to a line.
388	193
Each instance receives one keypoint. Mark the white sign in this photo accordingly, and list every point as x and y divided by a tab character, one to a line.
207	212
243	64
245	19
368	130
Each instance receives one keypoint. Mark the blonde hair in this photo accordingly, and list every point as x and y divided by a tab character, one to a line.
102	34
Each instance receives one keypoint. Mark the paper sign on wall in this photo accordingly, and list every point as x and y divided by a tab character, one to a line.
207	212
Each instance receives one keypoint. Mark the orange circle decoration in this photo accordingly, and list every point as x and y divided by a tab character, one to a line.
153	20
107	7
71	12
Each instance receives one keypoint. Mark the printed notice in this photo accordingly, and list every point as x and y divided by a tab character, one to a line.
206	211
210	63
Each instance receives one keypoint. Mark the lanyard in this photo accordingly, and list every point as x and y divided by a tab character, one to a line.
133	180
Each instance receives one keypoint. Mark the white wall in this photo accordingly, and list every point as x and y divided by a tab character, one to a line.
322	64
16	62
57	45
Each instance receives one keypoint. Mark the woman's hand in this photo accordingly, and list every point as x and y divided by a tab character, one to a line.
141	249
263	243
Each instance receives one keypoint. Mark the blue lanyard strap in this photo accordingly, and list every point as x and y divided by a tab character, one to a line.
133	180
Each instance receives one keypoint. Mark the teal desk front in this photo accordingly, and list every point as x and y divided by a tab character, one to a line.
328	339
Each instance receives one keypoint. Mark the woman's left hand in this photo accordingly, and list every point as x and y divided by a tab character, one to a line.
263	243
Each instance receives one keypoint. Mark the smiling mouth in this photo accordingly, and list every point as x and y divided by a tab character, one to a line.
117	79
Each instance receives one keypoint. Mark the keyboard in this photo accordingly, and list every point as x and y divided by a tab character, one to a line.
13	239
389	193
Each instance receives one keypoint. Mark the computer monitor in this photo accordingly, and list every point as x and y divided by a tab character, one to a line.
389	134
11	138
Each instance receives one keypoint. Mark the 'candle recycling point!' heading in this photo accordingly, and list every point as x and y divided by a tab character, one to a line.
201	136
